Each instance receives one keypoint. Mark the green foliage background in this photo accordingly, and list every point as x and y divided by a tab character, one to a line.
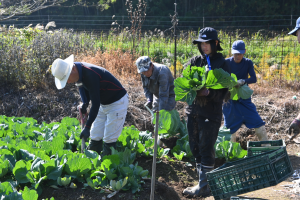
26	54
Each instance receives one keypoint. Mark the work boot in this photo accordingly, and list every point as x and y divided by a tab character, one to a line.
233	137
201	189
106	149
95	146
261	133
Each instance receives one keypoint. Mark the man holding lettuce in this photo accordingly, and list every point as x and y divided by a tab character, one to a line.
242	111
205	112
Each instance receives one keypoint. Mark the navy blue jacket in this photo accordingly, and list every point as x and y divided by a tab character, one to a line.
98	86
243	69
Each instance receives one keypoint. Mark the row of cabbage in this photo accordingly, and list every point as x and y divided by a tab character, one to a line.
34	156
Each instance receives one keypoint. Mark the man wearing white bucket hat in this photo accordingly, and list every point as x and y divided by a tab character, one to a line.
109	100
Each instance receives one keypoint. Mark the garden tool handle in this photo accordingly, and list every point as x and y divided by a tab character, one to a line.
83	119
154	158
83	144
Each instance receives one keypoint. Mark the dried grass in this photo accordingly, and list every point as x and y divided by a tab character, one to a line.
121	65
275	85
280	96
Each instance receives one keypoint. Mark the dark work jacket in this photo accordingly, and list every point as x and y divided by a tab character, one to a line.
213	108
100	87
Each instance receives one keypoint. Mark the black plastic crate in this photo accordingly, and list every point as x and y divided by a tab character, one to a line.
257	147
249	174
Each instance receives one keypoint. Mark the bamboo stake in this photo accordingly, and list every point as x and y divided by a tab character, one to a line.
154	158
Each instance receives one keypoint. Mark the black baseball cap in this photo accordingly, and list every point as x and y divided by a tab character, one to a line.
206	34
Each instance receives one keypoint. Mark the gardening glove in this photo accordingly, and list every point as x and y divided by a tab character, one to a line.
83	108
149	104
85	133
240	83
294	127
207	68
202	92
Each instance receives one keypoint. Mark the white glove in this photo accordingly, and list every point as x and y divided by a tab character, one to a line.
241	82
206	68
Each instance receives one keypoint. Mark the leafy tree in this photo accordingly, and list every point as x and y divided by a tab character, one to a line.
11	8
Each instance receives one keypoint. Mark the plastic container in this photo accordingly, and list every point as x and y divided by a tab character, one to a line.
257	147
249	174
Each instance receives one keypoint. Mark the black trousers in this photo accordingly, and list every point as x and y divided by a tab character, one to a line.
202	138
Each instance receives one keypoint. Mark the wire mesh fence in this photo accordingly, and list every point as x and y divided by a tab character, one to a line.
28	53
101	23
274	55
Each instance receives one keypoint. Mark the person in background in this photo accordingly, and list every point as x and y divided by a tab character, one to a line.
108	97
205	113
242	111
158	84
295	125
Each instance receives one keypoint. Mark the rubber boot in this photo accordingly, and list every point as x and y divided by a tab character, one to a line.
95	146
201	189
106	149
233	137
261	133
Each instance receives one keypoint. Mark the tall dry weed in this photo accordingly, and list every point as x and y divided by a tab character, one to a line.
120	64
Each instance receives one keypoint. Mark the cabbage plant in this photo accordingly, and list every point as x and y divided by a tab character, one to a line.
64	181
195	78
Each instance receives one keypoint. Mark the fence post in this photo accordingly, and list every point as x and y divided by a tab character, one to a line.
148	47
143	45
175	23
281	58
203	18
229	41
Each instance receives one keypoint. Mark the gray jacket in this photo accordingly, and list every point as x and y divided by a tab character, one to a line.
161	85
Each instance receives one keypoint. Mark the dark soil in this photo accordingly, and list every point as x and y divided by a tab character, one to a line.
274	105
162	191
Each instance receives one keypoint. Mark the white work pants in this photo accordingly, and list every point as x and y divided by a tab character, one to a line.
110	120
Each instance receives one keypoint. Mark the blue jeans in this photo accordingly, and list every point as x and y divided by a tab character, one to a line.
202	137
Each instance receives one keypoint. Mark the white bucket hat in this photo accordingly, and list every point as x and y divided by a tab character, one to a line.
61	70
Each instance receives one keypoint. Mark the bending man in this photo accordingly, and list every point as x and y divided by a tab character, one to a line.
158	84
109	100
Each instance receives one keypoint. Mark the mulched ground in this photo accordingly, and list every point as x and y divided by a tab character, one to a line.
275	105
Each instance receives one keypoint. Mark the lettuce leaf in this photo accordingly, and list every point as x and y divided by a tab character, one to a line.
194	78
184	91
218	79
77	166
230	150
